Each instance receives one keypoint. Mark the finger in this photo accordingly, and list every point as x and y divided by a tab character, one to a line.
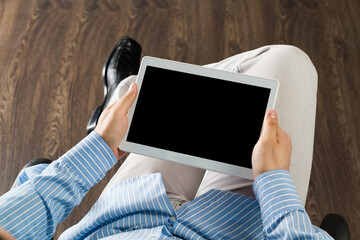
270	125
112	105
283	137
125	102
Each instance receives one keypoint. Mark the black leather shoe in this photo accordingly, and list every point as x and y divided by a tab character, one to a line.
123	61
336	226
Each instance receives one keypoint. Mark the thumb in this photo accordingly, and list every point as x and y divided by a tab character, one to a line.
270	125
125	102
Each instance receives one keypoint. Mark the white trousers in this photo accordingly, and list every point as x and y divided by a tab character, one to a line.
296	106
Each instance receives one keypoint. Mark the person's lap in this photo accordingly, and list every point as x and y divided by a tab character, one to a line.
296	106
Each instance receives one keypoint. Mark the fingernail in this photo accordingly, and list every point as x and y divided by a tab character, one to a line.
273	114
132	87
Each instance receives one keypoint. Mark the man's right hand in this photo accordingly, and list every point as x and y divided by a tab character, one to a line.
273	150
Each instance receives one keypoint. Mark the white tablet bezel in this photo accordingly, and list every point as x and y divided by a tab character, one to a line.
199	162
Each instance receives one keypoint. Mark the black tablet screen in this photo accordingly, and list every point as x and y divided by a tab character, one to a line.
200	116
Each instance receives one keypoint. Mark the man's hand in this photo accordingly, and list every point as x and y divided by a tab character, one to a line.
4	235
273	150
113	121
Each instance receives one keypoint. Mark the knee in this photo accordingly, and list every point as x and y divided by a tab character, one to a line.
297	61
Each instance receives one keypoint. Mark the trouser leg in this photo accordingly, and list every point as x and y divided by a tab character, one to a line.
296	106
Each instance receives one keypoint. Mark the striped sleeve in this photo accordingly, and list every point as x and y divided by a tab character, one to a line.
282	212
34	209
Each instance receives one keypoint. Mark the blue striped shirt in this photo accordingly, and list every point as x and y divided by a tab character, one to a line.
138	208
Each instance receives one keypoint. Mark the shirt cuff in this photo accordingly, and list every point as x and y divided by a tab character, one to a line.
90	159
276	194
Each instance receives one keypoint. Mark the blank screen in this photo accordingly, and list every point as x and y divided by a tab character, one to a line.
199	116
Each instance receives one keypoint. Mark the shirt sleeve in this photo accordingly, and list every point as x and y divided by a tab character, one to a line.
282	212
34	209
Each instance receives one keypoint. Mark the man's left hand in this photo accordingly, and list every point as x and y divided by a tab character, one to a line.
113	121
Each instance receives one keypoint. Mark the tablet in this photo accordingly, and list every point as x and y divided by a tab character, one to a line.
198	116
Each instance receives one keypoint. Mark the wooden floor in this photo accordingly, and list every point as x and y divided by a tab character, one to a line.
52	52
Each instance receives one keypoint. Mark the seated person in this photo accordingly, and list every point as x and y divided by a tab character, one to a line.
153	199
